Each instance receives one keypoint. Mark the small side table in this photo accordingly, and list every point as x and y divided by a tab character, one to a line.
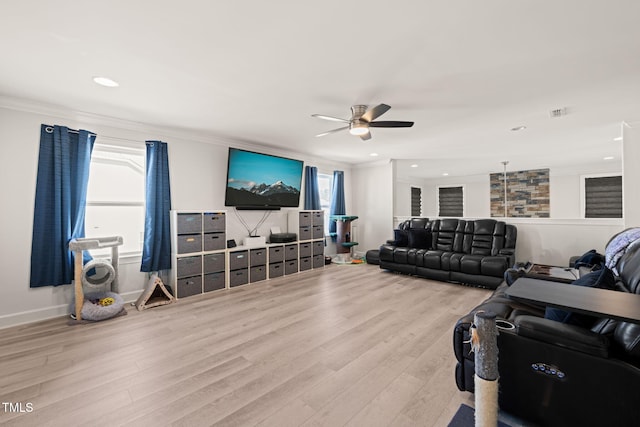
552	273
591	301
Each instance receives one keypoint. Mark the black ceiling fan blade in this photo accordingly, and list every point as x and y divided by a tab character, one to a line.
375	112
332	131
333	119
366	136
391	124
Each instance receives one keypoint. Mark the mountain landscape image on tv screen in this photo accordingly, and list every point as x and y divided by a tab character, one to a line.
259	180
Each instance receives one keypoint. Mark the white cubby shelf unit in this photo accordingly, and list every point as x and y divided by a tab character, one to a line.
201	261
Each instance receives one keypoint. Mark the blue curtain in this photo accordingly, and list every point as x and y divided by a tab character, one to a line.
311	191
337	199
61	196
156	252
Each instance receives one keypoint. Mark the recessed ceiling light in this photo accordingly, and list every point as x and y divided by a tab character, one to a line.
608	158
105	81
445	173
374	154
518	128
414	165
618	138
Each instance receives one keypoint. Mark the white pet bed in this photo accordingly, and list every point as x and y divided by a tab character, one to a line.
95	312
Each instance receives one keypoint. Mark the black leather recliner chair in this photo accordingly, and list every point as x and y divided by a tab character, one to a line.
471	252
600	364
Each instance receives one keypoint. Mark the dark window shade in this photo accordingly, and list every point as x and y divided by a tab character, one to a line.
451	201
416	201
603	197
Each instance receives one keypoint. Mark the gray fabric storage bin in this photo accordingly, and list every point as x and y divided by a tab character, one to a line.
258	256
305	232
214	262
318	232
238	260
276	254
257	273
305	219
318	248
214	241
305	263
318	218
189	286
188	243
189	266
305	250
276	269
189	223
214	281
214	222
238	277
291	251
291	266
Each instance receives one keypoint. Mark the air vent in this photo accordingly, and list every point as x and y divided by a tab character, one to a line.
558	112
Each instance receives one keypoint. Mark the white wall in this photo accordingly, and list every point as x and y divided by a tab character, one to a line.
550	241
402	196
197	167
198	173
372	193
631	178
476	194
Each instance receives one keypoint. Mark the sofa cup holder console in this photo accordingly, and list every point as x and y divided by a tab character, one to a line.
505	325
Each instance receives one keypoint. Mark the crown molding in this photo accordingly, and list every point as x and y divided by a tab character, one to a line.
147	131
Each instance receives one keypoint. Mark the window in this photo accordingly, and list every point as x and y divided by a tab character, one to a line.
115	197
603	197
324	187
416	201
451	201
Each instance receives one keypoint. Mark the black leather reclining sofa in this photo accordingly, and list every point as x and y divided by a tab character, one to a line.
471	252
599	362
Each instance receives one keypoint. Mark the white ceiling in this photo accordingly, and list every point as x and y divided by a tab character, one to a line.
465	71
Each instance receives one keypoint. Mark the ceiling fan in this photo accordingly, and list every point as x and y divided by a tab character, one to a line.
362	119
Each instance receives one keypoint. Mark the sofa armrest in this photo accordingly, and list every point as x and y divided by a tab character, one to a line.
386	253
563	335
510	254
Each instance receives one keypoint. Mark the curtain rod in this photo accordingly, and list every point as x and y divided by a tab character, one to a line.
49	129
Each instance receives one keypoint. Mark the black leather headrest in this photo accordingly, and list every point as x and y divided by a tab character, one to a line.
484	226
629	268
419	222
404	225
448	224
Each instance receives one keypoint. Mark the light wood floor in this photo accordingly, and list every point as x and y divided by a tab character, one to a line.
344	345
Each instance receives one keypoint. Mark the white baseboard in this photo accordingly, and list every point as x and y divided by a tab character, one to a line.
30	316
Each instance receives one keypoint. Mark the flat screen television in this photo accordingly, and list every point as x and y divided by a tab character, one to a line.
262	181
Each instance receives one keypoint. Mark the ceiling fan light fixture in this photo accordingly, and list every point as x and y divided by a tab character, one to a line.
358	129
362	118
